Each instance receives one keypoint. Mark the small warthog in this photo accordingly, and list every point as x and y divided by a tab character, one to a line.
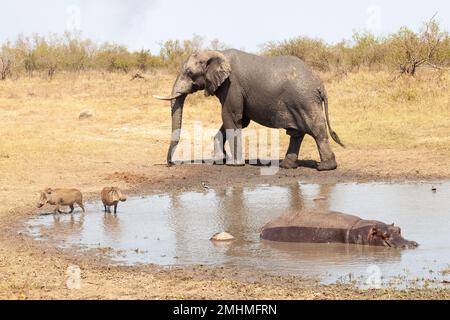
61	197
111	197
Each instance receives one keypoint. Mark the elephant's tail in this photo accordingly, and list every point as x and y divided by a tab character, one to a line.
333	134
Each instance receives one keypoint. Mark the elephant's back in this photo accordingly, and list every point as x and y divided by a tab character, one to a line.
284	70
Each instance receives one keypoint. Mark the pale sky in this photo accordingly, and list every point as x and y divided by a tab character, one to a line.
243	24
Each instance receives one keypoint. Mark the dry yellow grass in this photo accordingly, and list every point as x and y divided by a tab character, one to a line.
368	110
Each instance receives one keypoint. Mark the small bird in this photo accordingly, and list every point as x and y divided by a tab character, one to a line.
433	189
204	185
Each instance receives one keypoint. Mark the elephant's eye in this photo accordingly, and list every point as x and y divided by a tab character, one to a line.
189	73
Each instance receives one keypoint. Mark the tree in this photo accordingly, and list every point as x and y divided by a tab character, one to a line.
174	52
7	58
49	54
409	50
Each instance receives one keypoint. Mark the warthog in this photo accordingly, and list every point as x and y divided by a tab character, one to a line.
61	197
111	197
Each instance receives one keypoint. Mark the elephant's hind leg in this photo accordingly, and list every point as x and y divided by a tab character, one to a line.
290	161
319	132
327	157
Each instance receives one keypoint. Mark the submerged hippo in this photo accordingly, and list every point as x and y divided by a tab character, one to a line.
333	227
111	197
61	197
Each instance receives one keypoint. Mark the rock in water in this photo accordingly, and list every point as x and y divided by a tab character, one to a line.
223	236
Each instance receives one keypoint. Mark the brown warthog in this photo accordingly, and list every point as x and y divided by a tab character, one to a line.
111	197
61	197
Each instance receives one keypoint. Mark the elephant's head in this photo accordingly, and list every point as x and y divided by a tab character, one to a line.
207	71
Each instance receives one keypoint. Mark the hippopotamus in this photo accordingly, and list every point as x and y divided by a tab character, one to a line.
334	227
111	197
61	197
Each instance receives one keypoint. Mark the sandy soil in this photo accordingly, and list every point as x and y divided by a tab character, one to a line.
33	270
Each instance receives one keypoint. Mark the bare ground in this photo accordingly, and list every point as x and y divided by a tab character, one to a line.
33	270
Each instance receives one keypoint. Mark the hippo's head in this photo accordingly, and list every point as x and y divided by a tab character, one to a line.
388	236
43	199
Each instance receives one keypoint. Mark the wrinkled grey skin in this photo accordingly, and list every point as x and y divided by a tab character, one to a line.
61	197
334	227
276	92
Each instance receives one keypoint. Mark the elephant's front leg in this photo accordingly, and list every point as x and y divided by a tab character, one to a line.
220	156
232	123
234	137
290	161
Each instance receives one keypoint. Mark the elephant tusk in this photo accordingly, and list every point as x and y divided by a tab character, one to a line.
167	98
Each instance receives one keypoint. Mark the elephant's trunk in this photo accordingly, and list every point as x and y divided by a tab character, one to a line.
177	118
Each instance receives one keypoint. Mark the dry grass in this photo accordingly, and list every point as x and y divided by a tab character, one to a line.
41	133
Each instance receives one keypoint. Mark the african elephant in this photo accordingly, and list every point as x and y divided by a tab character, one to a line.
276	92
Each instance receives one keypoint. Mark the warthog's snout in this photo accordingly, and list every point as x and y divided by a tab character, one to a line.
123	198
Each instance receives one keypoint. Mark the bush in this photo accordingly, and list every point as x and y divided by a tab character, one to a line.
314	52
405	51
7	60
367	51
144	60
174	52
408	50
113	57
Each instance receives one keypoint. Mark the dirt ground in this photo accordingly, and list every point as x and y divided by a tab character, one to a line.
44	144
33	270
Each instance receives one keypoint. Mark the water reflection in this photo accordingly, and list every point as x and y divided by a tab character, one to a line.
174	229
112	227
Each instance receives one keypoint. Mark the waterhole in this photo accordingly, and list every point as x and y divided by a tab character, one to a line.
175	228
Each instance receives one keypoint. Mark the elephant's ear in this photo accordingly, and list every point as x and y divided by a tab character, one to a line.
218	69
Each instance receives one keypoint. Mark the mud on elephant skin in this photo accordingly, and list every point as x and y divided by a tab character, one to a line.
334	227
276	92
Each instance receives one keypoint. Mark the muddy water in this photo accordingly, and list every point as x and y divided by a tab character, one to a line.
174	229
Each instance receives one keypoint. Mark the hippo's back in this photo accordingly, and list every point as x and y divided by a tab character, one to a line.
310	226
